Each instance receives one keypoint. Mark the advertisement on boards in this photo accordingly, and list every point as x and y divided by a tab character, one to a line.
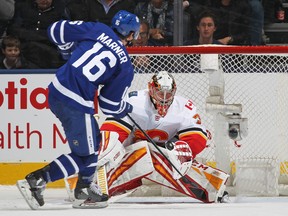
29	132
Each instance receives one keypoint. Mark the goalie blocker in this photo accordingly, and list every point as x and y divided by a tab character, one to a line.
127	166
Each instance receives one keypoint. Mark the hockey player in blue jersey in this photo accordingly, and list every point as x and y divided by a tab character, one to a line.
99	58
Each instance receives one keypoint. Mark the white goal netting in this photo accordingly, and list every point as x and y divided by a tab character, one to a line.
258	81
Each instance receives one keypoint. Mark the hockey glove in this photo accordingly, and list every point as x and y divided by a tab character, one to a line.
127	109
66	50
180	155
183	151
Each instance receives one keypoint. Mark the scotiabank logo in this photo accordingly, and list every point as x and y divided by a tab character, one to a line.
12	95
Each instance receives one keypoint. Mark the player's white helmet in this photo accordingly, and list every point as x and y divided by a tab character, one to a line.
162	88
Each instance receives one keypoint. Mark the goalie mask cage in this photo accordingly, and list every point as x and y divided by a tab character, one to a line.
254	78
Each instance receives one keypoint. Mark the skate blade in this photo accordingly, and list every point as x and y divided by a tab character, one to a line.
24	189
84	204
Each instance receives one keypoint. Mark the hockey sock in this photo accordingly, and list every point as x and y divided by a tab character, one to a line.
64	166
87	173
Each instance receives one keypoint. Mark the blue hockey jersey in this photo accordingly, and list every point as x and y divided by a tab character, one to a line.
99	59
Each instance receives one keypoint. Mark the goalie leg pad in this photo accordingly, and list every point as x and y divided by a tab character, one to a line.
214	180
136	164
111	149
175	156
103	184
126	176
201	182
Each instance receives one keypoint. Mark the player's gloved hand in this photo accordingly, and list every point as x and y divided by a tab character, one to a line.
180	154
181	149
127	109
66	50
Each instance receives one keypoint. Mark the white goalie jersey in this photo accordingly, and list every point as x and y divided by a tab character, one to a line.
181	121
142	160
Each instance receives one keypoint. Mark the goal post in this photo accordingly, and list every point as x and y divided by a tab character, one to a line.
241	95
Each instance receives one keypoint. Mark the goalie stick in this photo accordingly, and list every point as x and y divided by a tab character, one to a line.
102	179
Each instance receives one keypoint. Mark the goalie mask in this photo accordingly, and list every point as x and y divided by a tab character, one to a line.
162	88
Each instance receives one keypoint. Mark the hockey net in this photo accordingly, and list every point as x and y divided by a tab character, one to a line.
256	78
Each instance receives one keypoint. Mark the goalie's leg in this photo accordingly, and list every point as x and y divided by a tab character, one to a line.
201	182
127	174
125	169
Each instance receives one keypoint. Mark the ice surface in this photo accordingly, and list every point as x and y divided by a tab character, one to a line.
12	204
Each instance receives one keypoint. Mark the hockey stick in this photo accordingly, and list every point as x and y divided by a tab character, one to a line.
101	172
102	179
155	145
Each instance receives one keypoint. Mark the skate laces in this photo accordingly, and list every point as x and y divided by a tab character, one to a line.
40	184
95	189
36	182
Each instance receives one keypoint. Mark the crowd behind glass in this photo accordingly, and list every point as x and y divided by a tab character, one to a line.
23	24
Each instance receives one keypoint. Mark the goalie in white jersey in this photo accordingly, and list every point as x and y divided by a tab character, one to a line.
164	117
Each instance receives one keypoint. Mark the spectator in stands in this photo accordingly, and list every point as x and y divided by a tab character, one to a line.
142	63
196	7
12	58
7	8
32	17
233	21
257	22
159	15
96	10
206	27
144	36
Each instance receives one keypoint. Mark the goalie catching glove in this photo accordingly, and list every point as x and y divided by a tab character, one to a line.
180	154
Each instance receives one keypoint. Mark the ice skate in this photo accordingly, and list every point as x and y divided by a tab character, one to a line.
80	191
36	184
224	198
24	189
89	197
